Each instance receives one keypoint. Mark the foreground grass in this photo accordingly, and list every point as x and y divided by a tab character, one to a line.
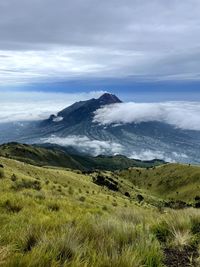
54	217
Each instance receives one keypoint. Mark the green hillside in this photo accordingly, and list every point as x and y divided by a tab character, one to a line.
58	156
51	217
38	156
175	181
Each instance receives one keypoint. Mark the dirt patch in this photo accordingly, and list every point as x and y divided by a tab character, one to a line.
180	258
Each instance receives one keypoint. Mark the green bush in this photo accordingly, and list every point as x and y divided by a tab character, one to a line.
11	206
161	231
82	198
2	174
53	207
13	178
28	184
195	226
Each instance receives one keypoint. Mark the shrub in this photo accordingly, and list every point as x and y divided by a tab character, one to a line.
105	208
82	198
195	226
12	207
53	207
114	204
29	239
197	198
197	205
71	191
13	177
140	198
2	174
161	231
28	184
127	194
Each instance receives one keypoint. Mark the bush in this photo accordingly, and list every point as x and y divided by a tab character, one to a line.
28	184
161	231
82	198
2	174
114	204
12	207
71	191
140	198
197	198
29	239
195	226
13	178
53	207
127	194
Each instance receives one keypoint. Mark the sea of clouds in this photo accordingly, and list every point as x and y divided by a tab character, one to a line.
85	145
182	114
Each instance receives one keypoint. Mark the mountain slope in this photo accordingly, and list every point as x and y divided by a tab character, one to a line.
169	181
58	156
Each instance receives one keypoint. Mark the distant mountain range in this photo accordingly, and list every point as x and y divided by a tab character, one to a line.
74	127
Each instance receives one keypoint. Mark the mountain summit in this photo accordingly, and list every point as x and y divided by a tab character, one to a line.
107	98
81	111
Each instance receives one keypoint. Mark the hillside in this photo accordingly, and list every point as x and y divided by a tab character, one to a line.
52	155
55	217
175	181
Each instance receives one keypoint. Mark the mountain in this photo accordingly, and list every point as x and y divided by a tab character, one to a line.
81	111
57	156
74	127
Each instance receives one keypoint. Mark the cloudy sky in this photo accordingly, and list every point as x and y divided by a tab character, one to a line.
139	49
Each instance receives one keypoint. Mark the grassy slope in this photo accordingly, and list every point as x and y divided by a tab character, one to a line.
69	221
38	156
56	156
176	181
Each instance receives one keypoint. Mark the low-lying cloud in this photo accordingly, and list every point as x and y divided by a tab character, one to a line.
86	145
148	154
183	115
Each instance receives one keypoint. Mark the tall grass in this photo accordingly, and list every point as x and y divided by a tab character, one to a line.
42	227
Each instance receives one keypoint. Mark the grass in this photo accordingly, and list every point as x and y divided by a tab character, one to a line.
169	181
71	221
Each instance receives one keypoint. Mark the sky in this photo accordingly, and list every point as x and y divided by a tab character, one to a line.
141	50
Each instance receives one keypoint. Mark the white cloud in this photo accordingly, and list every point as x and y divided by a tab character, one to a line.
184	115
25	106
156	154
150	154
50	64
86	145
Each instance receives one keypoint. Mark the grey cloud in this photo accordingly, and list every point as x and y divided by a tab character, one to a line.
139	38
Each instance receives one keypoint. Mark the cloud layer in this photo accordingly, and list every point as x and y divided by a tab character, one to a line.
48	39
144	154
184	115
86	145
